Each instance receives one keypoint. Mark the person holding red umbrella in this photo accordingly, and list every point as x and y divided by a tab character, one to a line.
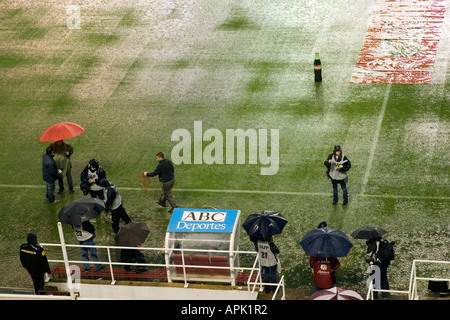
63	151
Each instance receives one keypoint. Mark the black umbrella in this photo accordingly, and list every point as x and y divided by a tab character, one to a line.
265	224
368	232
132	234
81	210
326	242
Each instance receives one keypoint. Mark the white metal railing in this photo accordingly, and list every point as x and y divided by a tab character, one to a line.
413	278
412	290
110	263
185	266
280	284
372	290
258	281
67	264
15	296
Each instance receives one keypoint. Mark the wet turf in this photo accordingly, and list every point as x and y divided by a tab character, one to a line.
135	73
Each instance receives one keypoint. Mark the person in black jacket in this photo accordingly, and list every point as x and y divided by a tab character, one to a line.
113	203
337	166
34	260
90	177
50	173
133	256
166	175
374	257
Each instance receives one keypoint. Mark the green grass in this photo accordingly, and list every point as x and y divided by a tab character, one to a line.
132	75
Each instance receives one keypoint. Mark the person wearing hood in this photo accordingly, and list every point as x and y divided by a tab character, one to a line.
90	177
34	260
50	173
113	203
337	166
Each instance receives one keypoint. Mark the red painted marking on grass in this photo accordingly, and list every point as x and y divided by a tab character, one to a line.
401	42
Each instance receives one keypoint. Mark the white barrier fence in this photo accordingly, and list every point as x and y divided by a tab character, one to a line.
412	291
73	271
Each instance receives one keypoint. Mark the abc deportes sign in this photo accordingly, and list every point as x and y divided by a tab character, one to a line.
201	220
203	216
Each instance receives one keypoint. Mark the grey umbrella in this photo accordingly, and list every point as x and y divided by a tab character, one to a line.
132	234
368	232
81	210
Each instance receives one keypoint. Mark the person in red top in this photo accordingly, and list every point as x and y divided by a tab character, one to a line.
323	269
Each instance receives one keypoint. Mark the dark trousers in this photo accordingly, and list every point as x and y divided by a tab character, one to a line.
167	193
269	275
51	191
69	180
97	194
118	214
384	283
335	189
38	283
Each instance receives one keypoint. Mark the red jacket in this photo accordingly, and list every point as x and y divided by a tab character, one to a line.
323	268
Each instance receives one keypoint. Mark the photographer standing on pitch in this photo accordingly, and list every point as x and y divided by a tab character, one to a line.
338	165
166	175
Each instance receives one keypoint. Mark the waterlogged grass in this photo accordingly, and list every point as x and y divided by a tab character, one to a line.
134	78
237	20
418	233
98	39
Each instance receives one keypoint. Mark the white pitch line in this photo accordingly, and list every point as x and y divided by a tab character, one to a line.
291	193
375	140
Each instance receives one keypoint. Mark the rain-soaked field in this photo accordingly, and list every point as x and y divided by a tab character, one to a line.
132	72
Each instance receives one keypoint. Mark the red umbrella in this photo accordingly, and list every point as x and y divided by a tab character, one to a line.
61	131
335	294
